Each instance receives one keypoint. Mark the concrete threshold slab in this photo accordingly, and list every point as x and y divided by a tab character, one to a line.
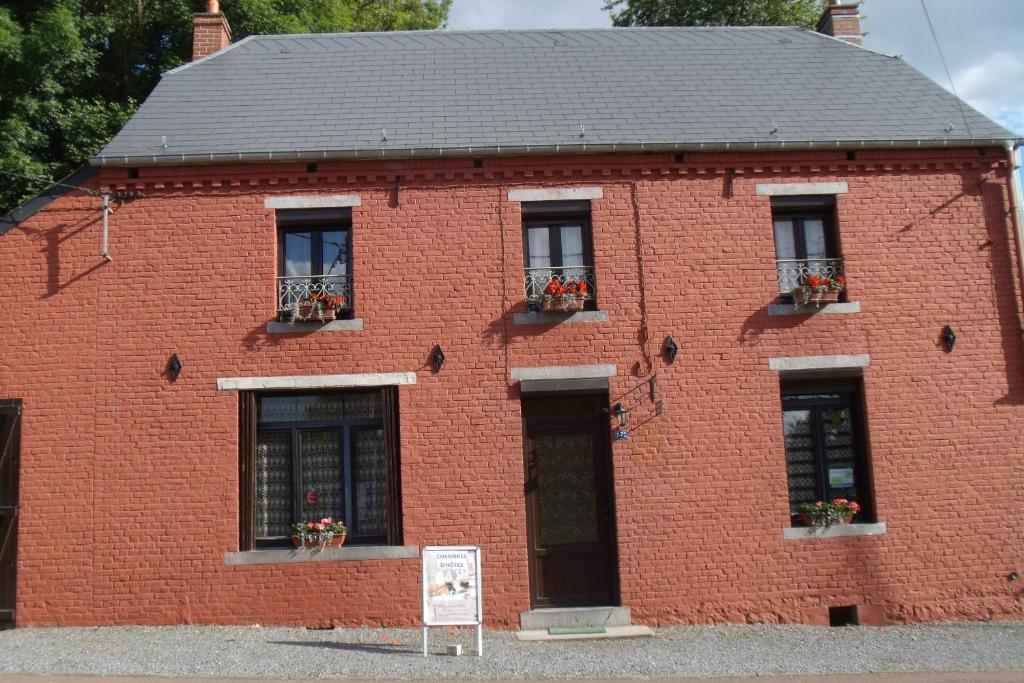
609	632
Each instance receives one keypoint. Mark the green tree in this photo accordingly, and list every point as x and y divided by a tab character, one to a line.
73	71
716	12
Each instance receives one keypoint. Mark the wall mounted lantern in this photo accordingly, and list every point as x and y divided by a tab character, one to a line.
948	338
174	367
437	358
670	348
621	414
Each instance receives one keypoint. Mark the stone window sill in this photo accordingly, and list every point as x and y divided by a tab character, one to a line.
797	533
354	325
298	555
811	309
540	318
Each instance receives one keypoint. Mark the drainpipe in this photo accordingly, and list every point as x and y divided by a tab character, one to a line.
1015	206
104	252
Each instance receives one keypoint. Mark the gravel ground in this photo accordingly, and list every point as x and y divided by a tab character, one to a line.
253	652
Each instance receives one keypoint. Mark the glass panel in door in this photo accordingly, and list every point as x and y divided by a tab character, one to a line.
298	254
817	249
567	504
335	252
571	238
789	269
538	247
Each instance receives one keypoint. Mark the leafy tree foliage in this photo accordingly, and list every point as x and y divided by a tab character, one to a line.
716	12
73	71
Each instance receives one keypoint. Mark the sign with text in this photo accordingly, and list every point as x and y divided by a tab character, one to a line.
451	586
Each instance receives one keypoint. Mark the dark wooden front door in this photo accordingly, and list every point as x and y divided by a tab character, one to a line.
569	504
10	435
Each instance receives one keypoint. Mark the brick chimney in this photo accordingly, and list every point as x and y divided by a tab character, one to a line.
210	31
842	20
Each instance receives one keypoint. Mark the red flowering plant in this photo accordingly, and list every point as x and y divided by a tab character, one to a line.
318	533
319	306
568	294
823	513
328	302
818	283
818	288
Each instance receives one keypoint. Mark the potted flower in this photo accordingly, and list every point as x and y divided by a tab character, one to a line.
320	307
819	289
822	513
565	297
327	533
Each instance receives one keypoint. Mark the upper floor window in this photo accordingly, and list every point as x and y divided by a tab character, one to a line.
559	256
823	429
314	264
808	262
316	455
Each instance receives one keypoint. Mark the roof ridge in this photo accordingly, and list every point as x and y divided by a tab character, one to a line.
511	31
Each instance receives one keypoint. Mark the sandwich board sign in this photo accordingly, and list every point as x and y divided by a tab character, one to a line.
452	593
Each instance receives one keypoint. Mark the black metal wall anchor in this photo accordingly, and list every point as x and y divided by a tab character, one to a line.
174	367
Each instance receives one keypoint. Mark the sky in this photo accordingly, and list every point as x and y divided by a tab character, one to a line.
981	40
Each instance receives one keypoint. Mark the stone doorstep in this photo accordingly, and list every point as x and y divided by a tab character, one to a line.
568	617
609	632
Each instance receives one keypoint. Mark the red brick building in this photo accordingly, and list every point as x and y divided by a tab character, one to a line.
173	418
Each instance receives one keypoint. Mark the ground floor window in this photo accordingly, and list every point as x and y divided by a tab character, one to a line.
306	456
824	433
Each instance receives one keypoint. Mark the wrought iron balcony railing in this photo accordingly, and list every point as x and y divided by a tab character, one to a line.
293	290
537	280
792	273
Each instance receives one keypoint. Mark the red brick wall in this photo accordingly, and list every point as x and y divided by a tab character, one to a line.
210	32
129	482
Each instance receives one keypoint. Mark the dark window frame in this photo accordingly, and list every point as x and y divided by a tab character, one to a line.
800	209
799	216
317	222
250	425
557	214
796	394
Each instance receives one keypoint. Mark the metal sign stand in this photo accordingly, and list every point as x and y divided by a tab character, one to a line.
430	619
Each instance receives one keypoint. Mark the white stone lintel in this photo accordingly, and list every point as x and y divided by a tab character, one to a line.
312	201
371	379
563	372
784	189
555	194
787	363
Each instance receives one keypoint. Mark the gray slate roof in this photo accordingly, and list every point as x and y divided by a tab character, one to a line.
431	92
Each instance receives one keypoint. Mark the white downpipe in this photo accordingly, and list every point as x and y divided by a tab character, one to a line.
106	227
1015	207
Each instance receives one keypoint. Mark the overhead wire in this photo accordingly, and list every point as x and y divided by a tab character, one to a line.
87	190
942	58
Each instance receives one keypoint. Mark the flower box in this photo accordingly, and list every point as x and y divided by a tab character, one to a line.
311	311
560	304
314	542
807	295
327	533
823	513
808	520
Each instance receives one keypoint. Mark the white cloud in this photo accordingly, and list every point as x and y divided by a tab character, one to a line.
995	86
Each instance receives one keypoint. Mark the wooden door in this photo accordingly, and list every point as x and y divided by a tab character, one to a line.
569	504
10	436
